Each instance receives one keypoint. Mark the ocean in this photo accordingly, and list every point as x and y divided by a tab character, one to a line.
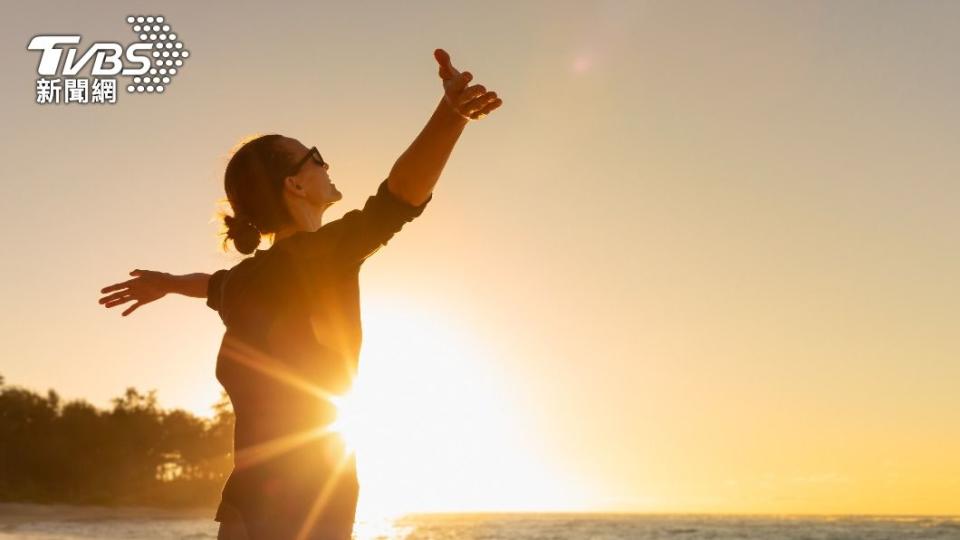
525	527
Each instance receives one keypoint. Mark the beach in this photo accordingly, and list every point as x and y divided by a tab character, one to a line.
67	522
61	521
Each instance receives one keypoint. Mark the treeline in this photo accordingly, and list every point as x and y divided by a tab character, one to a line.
133	453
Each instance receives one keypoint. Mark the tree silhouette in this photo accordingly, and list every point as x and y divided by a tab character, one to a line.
134	453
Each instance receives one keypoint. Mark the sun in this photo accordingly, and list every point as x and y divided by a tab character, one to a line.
353	415
432	422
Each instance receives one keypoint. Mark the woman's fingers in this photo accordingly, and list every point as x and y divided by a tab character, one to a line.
114	296
458	83
472	102
132	308
479	102
471	92
115	286
486	109
142	288
118	301
447	71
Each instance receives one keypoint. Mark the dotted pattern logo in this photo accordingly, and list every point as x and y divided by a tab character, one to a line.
168	54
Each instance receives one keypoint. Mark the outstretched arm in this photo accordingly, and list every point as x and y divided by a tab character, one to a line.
148	286
416	171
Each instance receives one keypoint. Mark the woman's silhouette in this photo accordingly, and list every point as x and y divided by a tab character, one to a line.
292	315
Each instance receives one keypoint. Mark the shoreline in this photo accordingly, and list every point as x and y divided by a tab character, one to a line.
12	514
23	512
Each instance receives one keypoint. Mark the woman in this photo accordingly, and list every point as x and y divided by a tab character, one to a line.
292	316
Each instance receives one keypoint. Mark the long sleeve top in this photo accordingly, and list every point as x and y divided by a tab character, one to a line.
293	335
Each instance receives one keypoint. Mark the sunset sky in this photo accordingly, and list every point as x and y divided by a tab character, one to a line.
704	258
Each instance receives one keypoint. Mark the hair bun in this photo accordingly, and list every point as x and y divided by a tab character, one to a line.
243	232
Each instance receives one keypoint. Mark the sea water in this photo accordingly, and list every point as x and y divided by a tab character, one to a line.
532	526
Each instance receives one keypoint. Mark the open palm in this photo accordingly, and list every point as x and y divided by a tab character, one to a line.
146	287
471	102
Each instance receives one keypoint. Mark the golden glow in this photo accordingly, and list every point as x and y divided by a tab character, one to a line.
351	418
428	418
256	359
251	357
322	498
716	272
433	426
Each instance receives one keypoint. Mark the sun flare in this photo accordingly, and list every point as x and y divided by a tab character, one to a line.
433	423
351	419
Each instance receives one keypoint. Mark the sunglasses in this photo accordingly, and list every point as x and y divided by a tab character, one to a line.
312	153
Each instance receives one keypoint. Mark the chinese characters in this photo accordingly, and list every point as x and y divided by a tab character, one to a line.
76	90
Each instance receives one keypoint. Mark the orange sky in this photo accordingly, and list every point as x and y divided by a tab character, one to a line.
703	258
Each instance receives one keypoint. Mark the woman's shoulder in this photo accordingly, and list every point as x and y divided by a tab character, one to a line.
313	244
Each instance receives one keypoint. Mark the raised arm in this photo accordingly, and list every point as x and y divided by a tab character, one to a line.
148	285
417	170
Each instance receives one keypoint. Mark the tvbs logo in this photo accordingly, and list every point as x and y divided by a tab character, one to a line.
150	63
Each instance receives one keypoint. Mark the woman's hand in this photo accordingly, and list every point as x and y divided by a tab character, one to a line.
146	287
471	102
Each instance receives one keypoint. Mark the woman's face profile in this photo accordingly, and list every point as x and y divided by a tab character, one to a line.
313	178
